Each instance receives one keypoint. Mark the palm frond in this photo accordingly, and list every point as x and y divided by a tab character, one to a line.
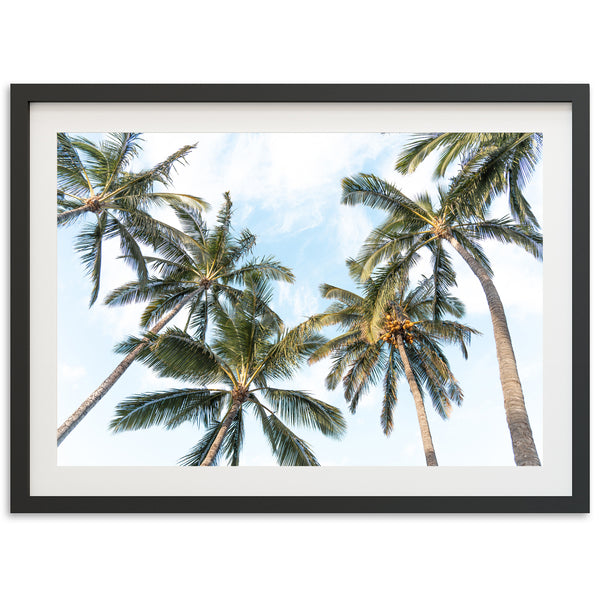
505	231
198	452
390	397
443	278
374	192
266	267
160	305
71	174
136	291
192	222
450	332
285	356
340	342
300	408
242	246
363	373
234	439
420	146
384	244
89	244
287	447
170	409
119	149
176	354
388	280
132	253
140	184
331	292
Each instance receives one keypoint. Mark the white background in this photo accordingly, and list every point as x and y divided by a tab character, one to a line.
182	556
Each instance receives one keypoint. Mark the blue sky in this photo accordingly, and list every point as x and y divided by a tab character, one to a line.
286	189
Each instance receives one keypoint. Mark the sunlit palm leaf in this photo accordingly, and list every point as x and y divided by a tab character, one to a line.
300	408
169	409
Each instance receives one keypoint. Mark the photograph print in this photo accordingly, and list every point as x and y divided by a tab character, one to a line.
299	299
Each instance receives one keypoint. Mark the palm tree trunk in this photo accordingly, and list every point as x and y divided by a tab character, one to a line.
514	403
430	457
216	445
64	216
65	429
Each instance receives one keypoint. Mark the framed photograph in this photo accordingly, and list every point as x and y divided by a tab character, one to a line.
339	298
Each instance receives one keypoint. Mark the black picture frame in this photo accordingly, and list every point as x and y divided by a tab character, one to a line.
23	95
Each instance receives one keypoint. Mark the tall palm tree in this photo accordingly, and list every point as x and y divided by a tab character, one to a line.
94	179
414	225
193	270
233	376
401	340
490	165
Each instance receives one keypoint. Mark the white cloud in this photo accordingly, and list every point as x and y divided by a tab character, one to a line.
283	172
517	277
312	379
71	373
151	381
297	302
299	219
353	225
71	377
410	449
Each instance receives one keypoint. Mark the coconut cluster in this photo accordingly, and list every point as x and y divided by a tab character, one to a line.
393	326
94	205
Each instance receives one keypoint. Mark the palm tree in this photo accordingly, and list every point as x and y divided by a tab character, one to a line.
194	269
402	339
414	225
233	376
94	179
490	165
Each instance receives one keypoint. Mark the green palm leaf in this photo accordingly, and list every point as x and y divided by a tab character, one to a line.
198	453
288	448
169	409
300	408
490	164
89	245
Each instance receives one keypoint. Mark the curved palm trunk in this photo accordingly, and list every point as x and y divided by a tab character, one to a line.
430	456
216	445
514	404
65	429
64	216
